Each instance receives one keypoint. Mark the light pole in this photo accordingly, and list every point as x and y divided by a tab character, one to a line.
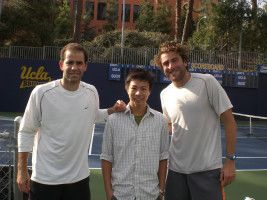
122	28
240	46
204	17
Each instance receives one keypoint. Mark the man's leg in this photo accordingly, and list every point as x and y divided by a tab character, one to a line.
78	190
43	192
177	187
205	185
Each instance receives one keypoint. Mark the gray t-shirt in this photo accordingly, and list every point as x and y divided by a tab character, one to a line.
194	111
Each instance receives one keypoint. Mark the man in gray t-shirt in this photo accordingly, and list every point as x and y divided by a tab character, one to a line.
194	104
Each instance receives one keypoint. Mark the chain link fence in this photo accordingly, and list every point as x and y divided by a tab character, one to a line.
244	61
8	162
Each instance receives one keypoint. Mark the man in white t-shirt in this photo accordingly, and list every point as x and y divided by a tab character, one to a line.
194	104
57	125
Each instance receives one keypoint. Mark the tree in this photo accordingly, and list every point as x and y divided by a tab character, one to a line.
30	22
188	21
88	34
145	19
78	22
149	20
111	16
178	21
222	30
133	39
63	23
162	24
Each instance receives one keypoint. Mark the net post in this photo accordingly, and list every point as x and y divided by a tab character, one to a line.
18	195
250	126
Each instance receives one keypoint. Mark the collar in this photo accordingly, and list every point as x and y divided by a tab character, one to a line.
148	110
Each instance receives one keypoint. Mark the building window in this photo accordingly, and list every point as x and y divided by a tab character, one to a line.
101	11
90	7
74	9
136	12
127	12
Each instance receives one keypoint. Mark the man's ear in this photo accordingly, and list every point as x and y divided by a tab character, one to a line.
86	65
61	65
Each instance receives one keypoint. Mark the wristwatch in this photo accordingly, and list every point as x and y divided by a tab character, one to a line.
231	157
161	192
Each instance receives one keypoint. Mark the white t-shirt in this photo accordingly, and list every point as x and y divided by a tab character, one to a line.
63	121
194	111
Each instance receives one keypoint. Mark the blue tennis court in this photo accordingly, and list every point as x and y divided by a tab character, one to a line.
251	150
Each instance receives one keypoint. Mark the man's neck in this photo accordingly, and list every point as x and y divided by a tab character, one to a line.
185	79
138	110
69	86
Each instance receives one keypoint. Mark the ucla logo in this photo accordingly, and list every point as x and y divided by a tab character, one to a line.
32	78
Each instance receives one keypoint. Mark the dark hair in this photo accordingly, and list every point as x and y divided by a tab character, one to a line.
170	46
73	47
141	75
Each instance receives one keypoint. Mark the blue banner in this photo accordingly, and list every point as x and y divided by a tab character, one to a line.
262	69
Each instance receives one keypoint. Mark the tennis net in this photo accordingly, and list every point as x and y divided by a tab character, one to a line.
251	124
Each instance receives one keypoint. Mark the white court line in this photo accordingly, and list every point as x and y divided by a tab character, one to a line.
264	157
250	137
242	170
91	143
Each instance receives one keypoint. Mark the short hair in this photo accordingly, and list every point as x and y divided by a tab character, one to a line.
141	75
170	46
73	47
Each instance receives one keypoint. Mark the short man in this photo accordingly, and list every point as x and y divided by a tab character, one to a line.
135	145
62	113
193	105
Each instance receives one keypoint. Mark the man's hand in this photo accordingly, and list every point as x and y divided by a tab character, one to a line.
228	172
109	194
119	106
23	181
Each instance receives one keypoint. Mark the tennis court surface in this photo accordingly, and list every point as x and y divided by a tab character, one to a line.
251	163
251	149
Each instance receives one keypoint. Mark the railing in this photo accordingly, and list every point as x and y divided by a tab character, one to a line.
141	56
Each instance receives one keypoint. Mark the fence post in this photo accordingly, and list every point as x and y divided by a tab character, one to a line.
44	52
112	55
9	51
18	195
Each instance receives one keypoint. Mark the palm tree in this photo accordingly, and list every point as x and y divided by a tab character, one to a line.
77	25
188	21
178	21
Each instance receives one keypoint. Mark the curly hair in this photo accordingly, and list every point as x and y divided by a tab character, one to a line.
169	46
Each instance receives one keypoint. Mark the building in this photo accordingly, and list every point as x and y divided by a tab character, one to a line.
98	8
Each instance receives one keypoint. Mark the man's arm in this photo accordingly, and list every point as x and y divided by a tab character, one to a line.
23	178
228	170
106	172
162	175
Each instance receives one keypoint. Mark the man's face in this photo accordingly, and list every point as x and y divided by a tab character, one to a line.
73	66
173	66
138	92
